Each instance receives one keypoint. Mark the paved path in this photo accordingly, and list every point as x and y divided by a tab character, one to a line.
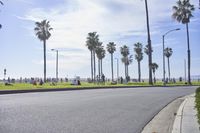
86	111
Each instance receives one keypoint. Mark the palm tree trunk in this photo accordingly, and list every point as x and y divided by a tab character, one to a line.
125	70
139	72
154	77
189	57
112	66
91	66
149	44
168	68
99	67
94	61
44	41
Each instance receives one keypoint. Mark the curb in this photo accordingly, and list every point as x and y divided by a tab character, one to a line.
151	124
186	116
178	119
2	92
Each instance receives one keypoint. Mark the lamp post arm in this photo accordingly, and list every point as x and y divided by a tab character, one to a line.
171	31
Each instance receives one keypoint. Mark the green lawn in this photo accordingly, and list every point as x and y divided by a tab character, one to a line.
198	103
26	86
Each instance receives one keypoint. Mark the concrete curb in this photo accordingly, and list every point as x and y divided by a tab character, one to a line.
163	121
178	119
186	120
2	92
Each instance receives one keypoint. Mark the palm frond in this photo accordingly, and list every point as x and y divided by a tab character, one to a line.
1	3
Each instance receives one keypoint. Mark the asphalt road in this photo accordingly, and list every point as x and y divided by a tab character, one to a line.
85	111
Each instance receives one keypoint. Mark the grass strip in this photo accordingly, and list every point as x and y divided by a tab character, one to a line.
198	103
27	86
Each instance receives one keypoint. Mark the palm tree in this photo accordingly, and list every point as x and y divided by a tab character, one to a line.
182	13
111	48
127	61
149	43
42	31
168	53
125	52
154	67
102	55
138	57
100	52
91	43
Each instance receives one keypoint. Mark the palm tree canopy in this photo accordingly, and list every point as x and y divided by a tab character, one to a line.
168	52
100	52
124	51
43	29
154	67
111	47
138	51
127	60
92	40
183	11
146	49
1	2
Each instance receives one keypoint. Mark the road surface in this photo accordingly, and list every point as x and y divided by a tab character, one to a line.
85	111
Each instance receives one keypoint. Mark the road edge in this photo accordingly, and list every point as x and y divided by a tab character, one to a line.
3	92
146	128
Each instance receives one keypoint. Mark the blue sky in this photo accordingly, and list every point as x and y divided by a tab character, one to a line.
122	22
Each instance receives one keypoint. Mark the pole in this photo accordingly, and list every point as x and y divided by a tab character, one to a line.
163	38
55	50
164	83
185	69
117	68
57	65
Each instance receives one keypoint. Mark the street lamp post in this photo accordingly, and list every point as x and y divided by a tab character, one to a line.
56	63
163	38
117	68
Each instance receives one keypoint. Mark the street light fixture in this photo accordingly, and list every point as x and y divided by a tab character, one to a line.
163	38
56	63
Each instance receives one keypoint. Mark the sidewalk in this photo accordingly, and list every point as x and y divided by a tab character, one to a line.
186	119
177	117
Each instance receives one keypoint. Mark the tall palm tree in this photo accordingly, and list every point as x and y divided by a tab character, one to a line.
154	67
182	13
168	53
42	31
125	52
91	43
101	57
138	57
127	61
149	43
111	48
100	52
